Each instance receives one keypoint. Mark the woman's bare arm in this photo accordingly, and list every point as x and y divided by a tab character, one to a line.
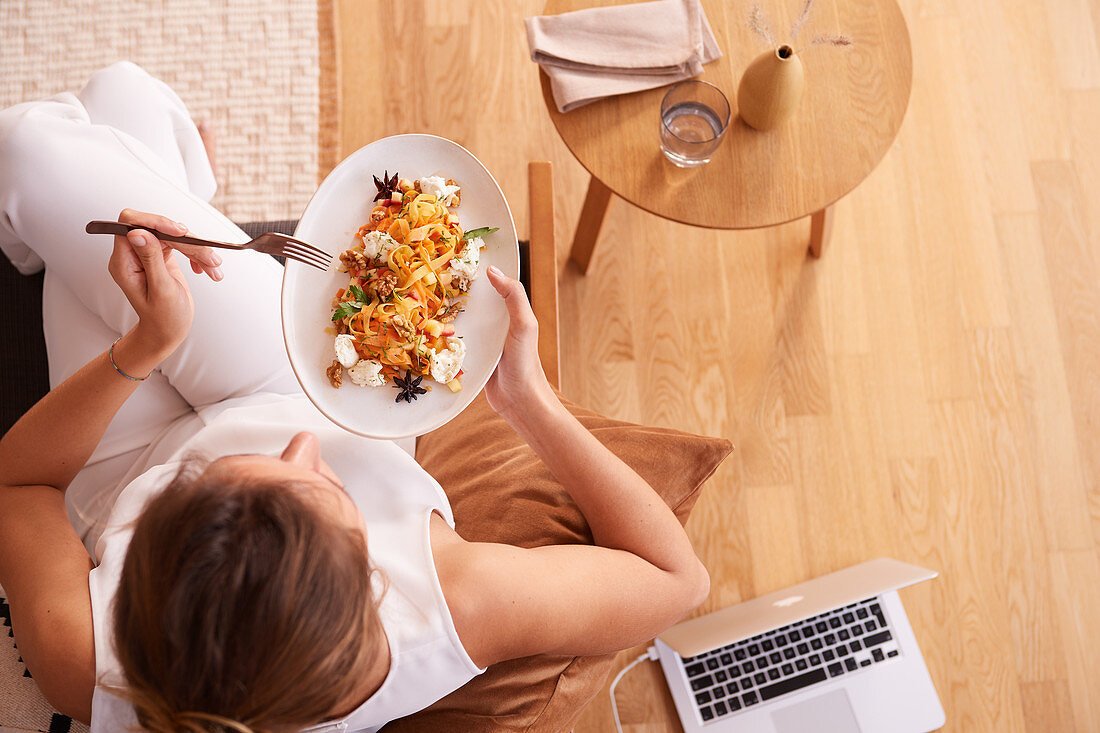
43	564
571	599
51	443
622	510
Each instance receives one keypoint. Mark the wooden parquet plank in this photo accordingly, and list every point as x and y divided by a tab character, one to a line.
897	375
1074	33
775	536
1077	583
1074	270
983	675
1007	179
1029	594
801	356
1058	480
1047	707
1084	111
1042	105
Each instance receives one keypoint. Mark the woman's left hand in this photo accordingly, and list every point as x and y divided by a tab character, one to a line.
145	270
519	376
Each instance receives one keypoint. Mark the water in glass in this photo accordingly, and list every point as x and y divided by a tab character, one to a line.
690	133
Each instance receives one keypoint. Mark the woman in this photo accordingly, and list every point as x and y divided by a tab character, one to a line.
264	587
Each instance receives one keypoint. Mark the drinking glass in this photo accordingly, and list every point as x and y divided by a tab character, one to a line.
694	117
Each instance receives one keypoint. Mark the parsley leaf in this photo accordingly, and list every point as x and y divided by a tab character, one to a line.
358	294
482	232
348	308
351	307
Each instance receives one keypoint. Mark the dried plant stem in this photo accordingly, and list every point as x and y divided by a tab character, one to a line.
759	24
827	40
802	18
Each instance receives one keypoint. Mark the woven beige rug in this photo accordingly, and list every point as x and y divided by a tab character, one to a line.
260	70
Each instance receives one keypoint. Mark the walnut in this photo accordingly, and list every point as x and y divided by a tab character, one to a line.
416	186
334	374
352	260
377	215
341	327
382	287
346	261
402	326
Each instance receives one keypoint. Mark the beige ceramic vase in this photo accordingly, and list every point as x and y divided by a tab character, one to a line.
771	88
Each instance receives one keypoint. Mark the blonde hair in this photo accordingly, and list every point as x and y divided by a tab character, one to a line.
242	609
161	721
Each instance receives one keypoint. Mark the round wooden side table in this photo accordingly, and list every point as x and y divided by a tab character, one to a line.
854	102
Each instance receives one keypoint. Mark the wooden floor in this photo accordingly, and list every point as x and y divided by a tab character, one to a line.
930	390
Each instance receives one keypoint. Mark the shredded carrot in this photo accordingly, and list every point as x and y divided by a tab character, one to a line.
395	327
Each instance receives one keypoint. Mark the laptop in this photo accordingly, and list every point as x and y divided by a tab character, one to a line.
832	655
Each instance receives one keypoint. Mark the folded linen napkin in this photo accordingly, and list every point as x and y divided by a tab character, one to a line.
600	52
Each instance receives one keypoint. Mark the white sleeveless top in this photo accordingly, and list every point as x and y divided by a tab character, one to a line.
427	659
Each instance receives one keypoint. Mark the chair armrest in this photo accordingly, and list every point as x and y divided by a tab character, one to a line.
543	265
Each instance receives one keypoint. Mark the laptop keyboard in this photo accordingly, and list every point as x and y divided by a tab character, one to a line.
751	671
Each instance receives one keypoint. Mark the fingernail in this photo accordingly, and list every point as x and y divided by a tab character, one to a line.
215	258
136	238
217	273
495	271
181	227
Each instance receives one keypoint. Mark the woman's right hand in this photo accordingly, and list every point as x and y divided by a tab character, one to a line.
149	277
519	376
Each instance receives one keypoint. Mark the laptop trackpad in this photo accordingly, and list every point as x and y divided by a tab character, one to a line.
829	713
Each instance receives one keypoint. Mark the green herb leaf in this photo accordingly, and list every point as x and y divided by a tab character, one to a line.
349	308
482	232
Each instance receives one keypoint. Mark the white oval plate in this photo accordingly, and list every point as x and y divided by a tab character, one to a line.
340	206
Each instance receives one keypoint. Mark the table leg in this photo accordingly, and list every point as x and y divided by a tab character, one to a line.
588	226
821	226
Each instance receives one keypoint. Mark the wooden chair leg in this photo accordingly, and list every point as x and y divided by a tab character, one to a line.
588	226
821	227
543	265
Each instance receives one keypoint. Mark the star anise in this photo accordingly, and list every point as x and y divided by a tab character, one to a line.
409	386
386	187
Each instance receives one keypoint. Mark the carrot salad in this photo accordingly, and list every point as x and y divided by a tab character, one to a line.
409	273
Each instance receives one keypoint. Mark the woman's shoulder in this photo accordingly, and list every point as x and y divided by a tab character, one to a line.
469	607
447	550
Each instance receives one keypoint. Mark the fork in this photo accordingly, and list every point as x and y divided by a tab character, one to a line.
271	243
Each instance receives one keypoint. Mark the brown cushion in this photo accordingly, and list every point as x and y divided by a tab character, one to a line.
512	497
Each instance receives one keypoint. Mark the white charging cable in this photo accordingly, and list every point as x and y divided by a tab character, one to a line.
651	654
